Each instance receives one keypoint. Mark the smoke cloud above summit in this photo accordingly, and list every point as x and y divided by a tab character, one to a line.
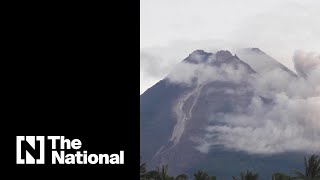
306	64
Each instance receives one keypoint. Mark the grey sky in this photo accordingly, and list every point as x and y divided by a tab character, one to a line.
172	29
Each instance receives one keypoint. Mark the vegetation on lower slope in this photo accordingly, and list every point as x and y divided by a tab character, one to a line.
311	172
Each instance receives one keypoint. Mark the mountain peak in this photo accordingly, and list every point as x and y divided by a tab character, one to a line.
198	56
199	52
261	62
253	50
221	56
224	54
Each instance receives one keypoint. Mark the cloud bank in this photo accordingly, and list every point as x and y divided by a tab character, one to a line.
278	27
291	123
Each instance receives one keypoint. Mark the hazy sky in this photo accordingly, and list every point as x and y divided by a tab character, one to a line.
172	29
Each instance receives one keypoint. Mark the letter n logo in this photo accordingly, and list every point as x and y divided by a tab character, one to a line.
30	149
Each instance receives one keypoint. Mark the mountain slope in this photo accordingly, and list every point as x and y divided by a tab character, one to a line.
179	113
261	62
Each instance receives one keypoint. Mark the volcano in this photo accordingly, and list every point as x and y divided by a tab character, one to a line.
185	117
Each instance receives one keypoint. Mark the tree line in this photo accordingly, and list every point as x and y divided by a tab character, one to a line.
311	172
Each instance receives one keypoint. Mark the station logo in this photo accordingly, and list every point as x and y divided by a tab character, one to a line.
32	150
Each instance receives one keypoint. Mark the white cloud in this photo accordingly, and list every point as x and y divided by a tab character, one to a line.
173	29
305	63
290	123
